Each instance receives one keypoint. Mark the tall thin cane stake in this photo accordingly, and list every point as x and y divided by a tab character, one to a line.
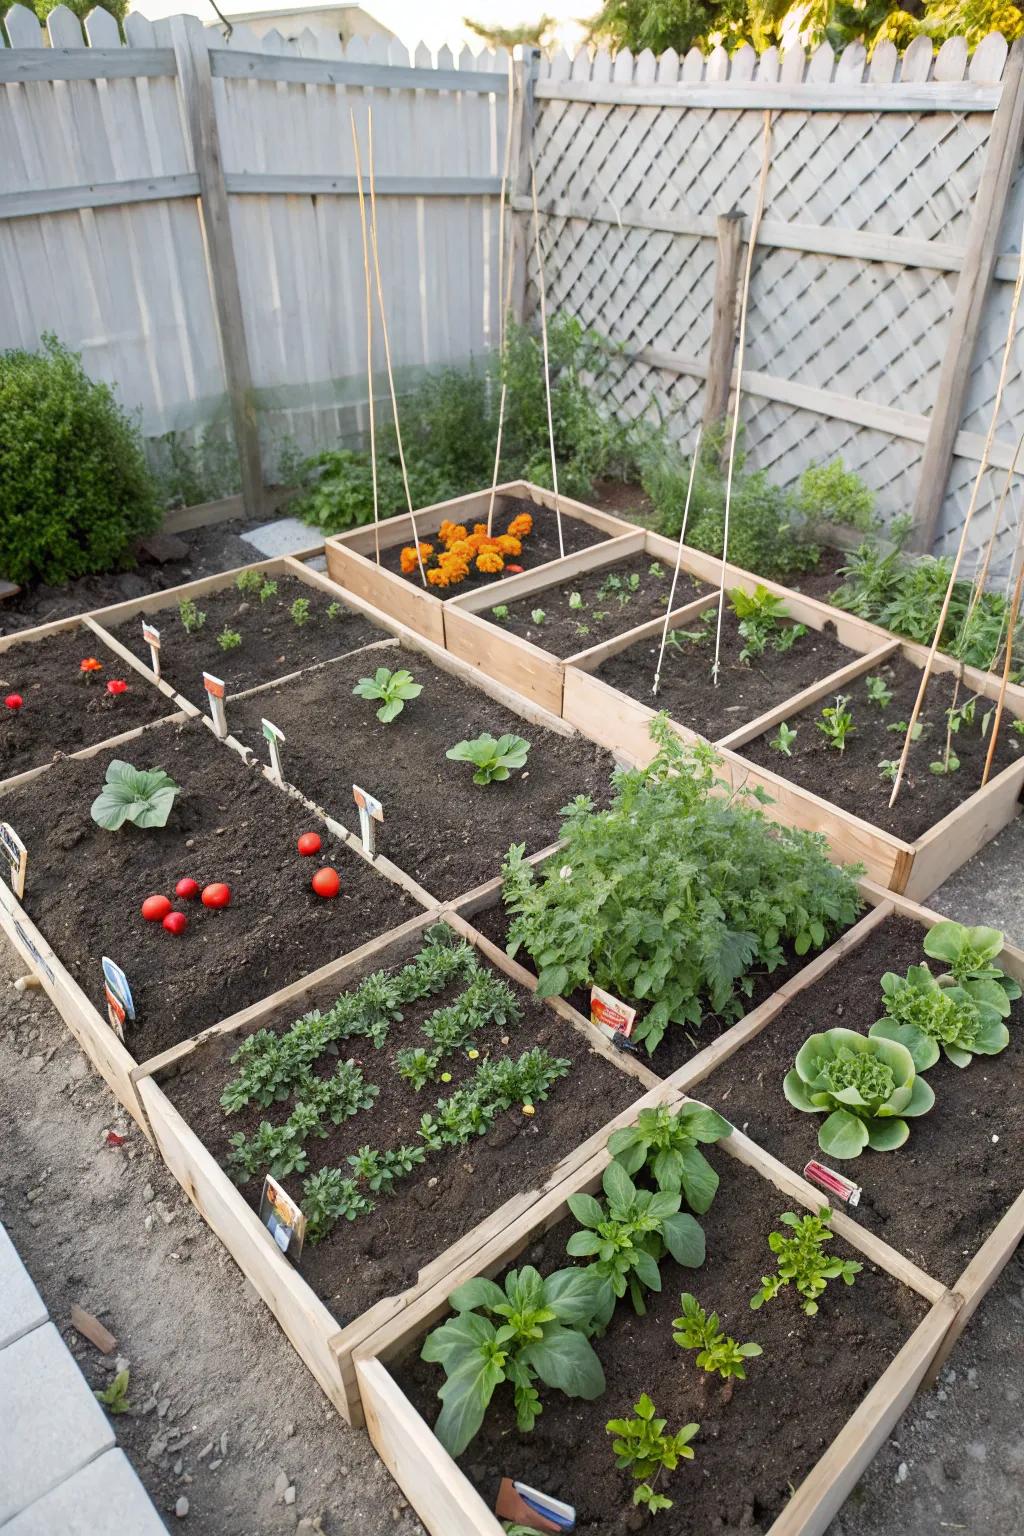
544	340
369	335
679	558
504	297
1014	610
755	225
384	333
1011	332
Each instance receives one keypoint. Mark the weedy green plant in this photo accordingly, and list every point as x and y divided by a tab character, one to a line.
627	1236
538	1337
329	1197
646	1450
229	639
335	611
803	1262
717	1353
269	590
836	723
139	795
667	1146
494	760
575	602
878	691
888	769
783	739
191	617
761	618
655	570
115	1397
500	613
538	615
250	583
299	611
394	689
866	1085
929	1019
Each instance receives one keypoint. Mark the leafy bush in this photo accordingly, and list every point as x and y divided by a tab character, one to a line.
667	1146
836	495
75	492
866	1085
673	897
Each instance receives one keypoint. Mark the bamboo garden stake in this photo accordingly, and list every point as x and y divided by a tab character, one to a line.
679	557
504	298
369	336
755	225
544	341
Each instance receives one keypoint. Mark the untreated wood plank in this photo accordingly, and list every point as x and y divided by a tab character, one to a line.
728	233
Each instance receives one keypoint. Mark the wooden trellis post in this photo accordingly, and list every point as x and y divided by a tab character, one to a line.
524	74
728	231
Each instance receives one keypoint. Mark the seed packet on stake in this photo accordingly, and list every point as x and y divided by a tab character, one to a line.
283	1218
215	693
370	810
611	1016
17	856
118	993
151	635
525	1506
274	737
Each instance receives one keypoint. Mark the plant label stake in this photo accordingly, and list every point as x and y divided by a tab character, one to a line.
151	635
274	738
836	1183
370	810
524	1505
610	1015
215	693
17	855
119	997
284	1219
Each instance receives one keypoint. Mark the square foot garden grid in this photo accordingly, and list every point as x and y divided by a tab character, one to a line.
316	1314
797	1484
352	564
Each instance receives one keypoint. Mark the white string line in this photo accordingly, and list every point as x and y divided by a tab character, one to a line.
679	557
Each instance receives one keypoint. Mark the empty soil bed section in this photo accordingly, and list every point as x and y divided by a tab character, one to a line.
380	1253
853	778
539	546
938	1196
85	886
594	606
757	1438
63	708
746	689
449	833
271	643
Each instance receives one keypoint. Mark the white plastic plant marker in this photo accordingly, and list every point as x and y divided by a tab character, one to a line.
17	855
151	635
215	692
274	737
370	810
120	1004
610	1014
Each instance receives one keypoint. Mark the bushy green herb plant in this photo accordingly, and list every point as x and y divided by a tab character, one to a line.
75	493
494	760
538	615
783	739
642	1446
269	590
249	583
667	1146
500	613
382	1170
537	1338
866	1085
192	618
803	1262
139	795
836	495
229	639
394	689
673	896
717	1353
495	1087
761	618
299	611
335	611
281	1149
329	1197
836	723
487	1000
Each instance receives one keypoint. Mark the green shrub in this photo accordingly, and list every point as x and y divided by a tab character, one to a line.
75	492
834	494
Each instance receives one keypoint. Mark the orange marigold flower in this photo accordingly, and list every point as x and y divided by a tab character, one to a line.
451	532
438	577
408	559
480	528
509	545
90	664
520	526
462	547
489	561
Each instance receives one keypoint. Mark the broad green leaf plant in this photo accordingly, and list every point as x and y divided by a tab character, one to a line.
393	689
667	1145
867	1086
140	795
494	759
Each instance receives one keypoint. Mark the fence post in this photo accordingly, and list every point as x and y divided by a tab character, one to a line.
972	292
524	74
728	230
191	50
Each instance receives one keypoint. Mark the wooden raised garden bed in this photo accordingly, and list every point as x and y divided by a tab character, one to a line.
351	556
369	1270
831	1387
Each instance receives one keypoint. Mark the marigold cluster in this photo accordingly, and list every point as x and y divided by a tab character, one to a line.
409	560
462	549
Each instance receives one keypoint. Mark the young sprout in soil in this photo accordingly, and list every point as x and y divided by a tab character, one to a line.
643	1446
783	740
600	615
191	617
115	1397
269	590
583	629
249	582
299	611
899	727
655	570
802	1261
335	610
493	759
947	763
538	615
761	614
716	1351
229	639
501	613
888	769
1017	726
866	1086
836	723
327	1198
878	693
575	601
611	583
133	794
394	689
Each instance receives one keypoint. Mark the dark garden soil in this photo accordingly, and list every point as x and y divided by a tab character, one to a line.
64	708
851	778
539	546
938	1197
745	690
381	1253
273	645
86	885
758	1438
620	498
822	579
679	1045
564	631
447	832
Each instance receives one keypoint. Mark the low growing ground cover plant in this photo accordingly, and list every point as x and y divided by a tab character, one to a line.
802	1261
673	896
866	1085
495	759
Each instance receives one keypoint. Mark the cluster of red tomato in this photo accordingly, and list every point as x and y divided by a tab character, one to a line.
325	882
157	909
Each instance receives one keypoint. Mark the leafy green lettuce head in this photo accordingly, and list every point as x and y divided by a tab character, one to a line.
867	1084
926	1017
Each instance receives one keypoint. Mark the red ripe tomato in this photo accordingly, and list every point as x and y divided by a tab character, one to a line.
326	883
175	922
309	843
216	895
155	908
187	889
